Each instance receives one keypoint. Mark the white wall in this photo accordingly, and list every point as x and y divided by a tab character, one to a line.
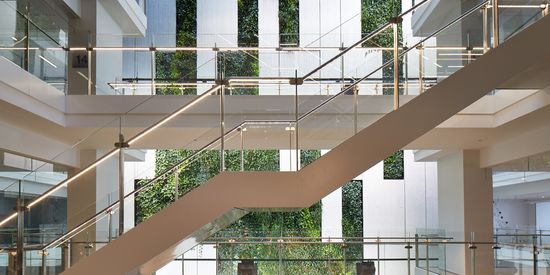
108	63
216	26
514	213
465	206
543	215
398	207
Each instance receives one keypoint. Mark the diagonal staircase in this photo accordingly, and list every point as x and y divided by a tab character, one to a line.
227	196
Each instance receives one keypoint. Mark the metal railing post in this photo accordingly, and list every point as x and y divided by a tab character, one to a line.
427	256
395	24
222	129
241	130
395	68
121	144
355	107
26	58
20	242
378	254
472	246
89	80
535	256
66	255
416	249
544	8
110	222
176	184
153	70
296	115
408	247
420	69
496	31
44	253
485	15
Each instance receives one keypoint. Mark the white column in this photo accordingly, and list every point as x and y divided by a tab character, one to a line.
331	213
465	205
216	26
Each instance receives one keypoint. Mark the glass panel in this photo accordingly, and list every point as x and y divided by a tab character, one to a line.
515	15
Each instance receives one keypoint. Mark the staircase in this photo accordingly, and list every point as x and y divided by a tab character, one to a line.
227	197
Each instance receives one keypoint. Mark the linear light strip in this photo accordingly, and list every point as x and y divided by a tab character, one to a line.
170	117
63	184
47	61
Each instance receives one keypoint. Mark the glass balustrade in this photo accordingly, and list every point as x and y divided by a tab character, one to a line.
214	132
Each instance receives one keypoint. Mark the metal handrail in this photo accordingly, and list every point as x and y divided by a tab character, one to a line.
363	40
175	167
110	153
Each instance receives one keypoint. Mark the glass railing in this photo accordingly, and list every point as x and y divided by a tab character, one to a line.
33	45
229	134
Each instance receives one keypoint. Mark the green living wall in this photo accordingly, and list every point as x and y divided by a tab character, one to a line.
180	67
289	23
376	13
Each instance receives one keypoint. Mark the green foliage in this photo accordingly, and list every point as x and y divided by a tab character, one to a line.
308	156
162	192
289	23
240	64
180	66
393	166
352	216
374	14
248	23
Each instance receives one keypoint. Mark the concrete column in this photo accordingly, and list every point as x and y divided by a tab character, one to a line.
88	194
465	198
331	213
79	201
81	28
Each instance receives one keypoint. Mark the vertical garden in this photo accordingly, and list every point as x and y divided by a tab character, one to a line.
181	67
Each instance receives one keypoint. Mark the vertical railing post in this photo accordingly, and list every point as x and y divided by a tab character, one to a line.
544	8
241	131
89	52
378	254
496	31
66	255
395	23
110	221
26	58
44	253
89	57
153	70
416	249
222	128
535	256
355	107
485	15
420	69
405	73
408	247
427	256
177	184
20	233
472	246
121	145
296	117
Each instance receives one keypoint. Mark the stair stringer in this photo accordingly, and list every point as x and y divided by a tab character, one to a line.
165	236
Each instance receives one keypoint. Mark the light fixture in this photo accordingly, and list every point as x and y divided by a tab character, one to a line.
62	184
173	115
47	61
81	74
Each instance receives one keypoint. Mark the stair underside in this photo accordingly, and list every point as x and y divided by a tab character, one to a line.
172	231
